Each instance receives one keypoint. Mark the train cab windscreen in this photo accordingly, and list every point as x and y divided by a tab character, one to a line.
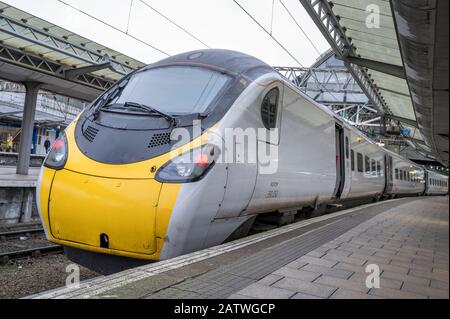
175	90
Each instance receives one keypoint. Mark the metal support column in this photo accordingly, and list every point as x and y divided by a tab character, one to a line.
26	136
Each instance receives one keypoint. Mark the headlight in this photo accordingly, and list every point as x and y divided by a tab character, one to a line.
189	167
57	157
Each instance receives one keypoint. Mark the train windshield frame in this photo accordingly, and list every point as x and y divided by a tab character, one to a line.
175	90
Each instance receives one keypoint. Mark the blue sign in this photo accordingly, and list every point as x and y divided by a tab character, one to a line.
405	132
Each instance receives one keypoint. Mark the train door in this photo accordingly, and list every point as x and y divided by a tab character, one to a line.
348	165
266	195
389	168
340	161
427	182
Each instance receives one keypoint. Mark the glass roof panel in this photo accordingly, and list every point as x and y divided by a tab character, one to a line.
63	58
375	43
378	43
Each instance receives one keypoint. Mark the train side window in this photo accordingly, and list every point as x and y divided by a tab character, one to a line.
269	109
379	168
352	155
367	163
374	167
360	162
396	174
401	175
404	175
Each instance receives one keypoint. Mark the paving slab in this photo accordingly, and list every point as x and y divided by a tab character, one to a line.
409	244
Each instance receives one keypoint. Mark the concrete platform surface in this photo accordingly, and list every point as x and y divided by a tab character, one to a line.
9	178
326	257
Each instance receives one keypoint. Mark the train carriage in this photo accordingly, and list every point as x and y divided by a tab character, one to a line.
118	188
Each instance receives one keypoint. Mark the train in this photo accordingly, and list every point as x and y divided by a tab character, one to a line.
118	190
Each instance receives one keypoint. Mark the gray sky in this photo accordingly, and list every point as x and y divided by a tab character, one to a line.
216	23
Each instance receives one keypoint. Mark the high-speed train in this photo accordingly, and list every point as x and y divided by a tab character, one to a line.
117	189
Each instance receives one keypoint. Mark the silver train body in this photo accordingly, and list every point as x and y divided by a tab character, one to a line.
315	167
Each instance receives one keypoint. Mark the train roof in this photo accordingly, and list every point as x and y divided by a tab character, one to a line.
351	127
230	61
440	175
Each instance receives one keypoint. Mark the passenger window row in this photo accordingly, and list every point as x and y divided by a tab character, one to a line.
365	164
438	182
406	176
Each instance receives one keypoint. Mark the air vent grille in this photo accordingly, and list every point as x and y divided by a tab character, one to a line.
159	140
90	133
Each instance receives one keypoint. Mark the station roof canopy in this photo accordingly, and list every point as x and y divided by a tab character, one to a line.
32	49
396	51
13	113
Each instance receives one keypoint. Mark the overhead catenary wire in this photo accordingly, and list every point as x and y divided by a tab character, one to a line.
325	90
113	27
174	23
129	16
186	31
299	26
268	33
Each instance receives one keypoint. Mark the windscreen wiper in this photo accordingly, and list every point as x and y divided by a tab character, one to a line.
171	119
111	96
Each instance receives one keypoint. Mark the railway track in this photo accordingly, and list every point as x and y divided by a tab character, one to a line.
31	252
28	235
16	234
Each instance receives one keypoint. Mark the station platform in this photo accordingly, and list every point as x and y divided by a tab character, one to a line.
9	178
324	257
